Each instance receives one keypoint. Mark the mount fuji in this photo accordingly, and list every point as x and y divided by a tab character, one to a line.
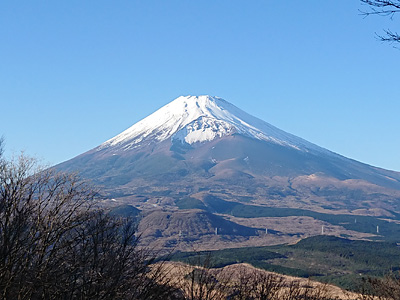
202	152
191	120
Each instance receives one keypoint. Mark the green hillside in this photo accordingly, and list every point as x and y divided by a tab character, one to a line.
324	258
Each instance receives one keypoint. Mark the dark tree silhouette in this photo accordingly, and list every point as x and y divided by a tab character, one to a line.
386	288
55	243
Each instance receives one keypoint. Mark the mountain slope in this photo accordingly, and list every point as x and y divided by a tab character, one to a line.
199	146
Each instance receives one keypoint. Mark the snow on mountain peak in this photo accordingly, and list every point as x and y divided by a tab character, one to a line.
196	119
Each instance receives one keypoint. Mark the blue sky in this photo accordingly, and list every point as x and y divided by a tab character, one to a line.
76	73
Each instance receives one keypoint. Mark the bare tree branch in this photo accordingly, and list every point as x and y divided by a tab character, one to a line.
1	146
387	8
56	244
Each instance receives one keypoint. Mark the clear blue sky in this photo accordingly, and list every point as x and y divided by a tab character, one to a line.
75	73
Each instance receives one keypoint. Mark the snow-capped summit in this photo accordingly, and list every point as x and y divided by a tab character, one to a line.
202	145
197	119
203	153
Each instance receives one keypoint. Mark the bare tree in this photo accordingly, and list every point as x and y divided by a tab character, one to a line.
37	212
1	147
56	244
387	288
258	284
202	282
253	283
384	8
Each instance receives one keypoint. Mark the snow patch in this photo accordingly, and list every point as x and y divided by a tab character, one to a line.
203	129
